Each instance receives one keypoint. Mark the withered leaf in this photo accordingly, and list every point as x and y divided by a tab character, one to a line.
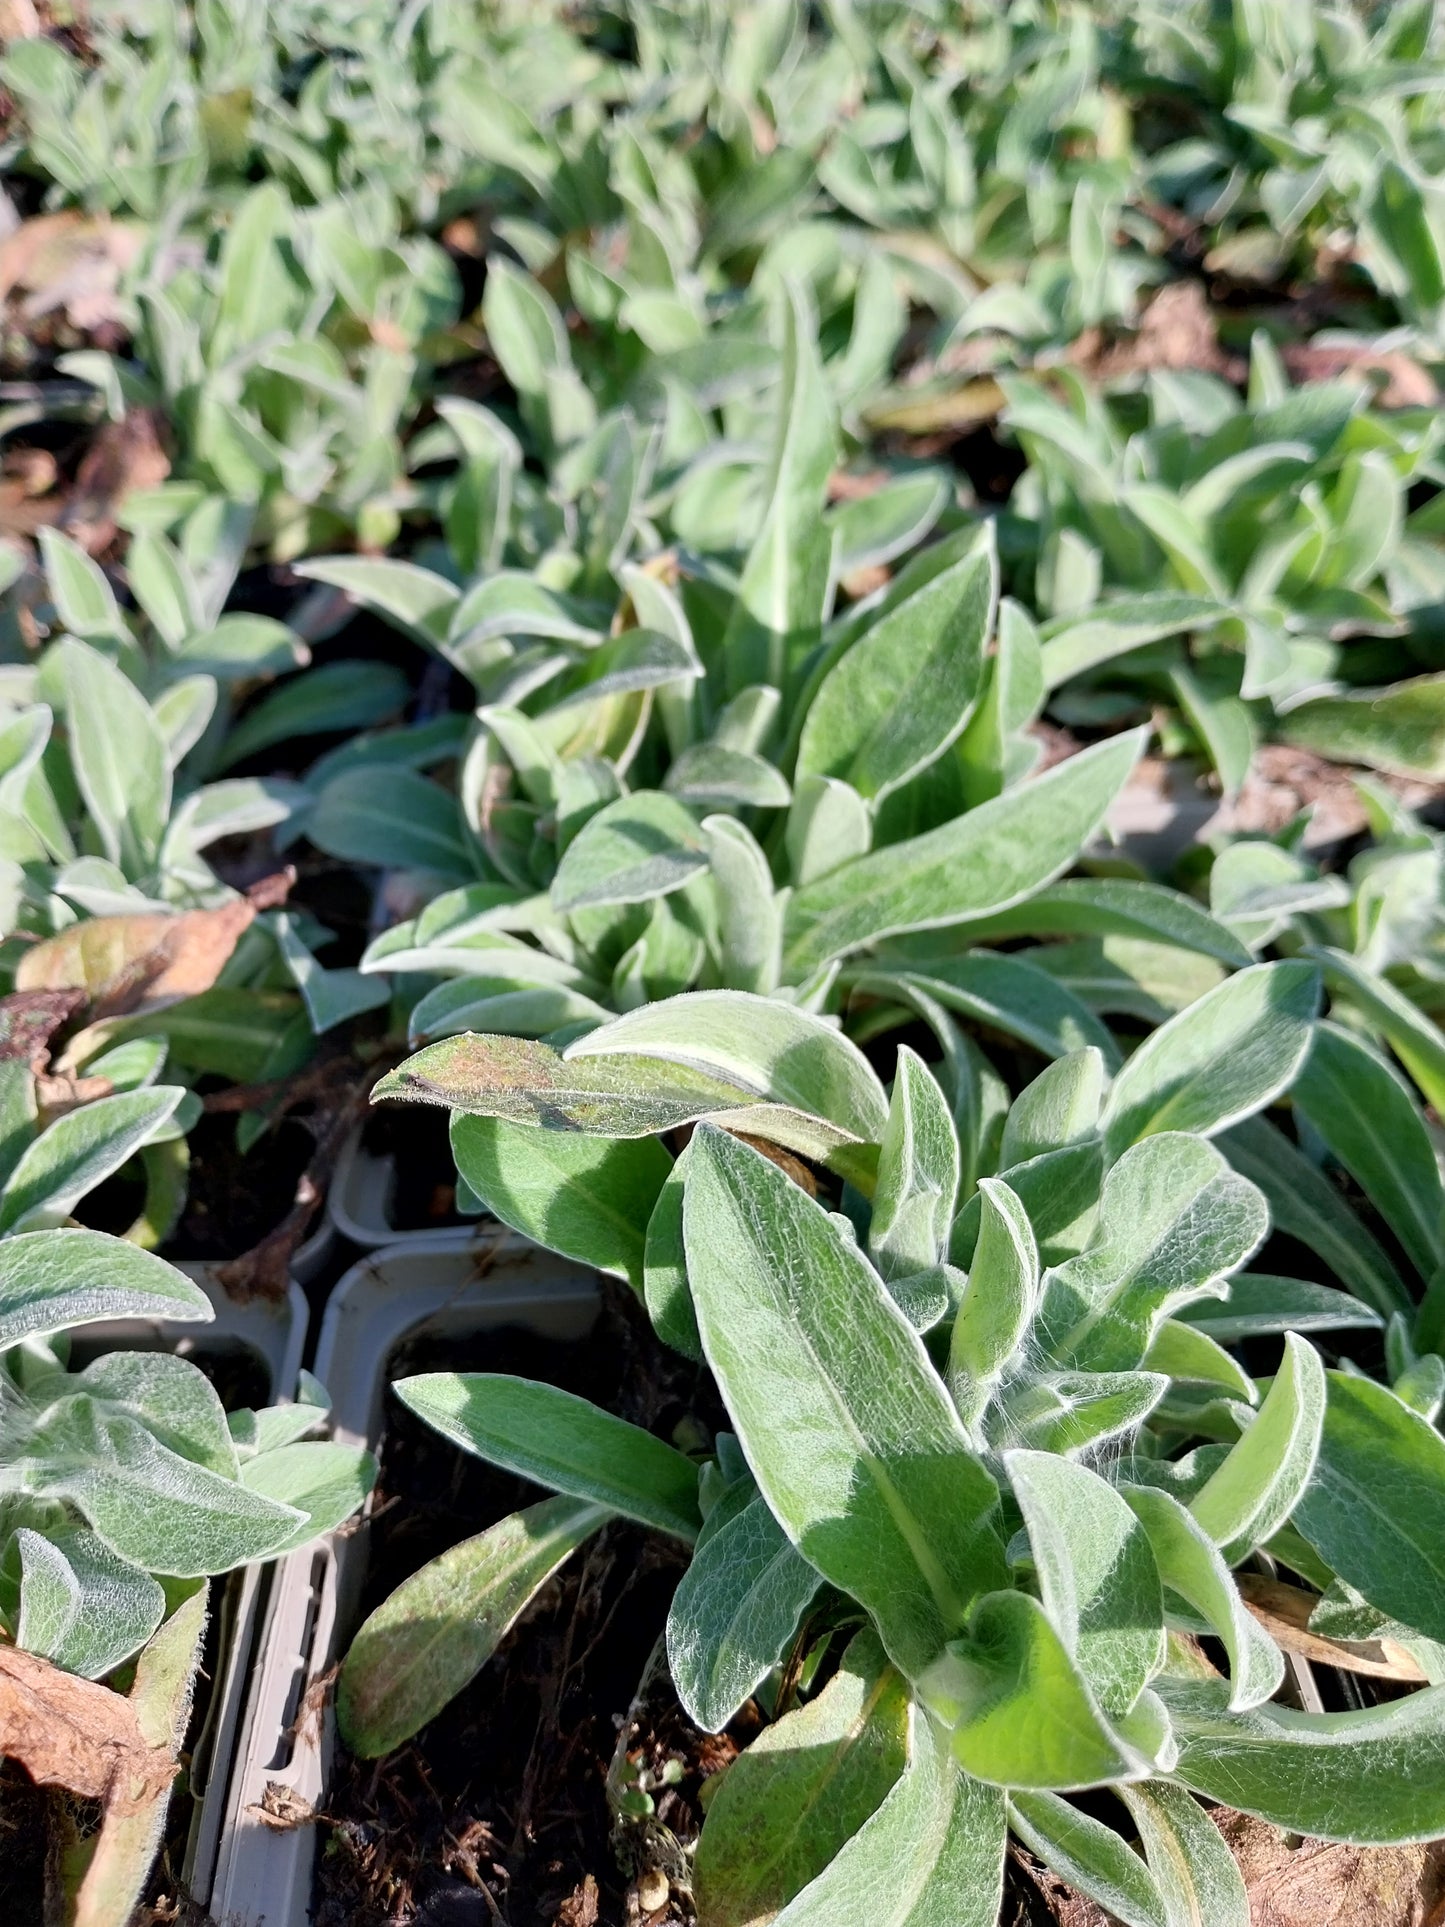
78	1734
69	260
1316	1883
30	1018
142	962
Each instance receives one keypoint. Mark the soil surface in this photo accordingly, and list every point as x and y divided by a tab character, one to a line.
233	1200
499	1811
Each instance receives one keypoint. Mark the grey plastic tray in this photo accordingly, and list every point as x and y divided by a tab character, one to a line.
360	1201
456	1283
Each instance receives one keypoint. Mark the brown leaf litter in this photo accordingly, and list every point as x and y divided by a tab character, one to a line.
123	455
30	1018
76	1734
1290	1883
71	263
1167	805
1177	332
1322	1884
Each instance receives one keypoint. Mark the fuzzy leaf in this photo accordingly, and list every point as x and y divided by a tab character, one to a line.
588	1197
1190	1564
1198	1876
906	687
773	1051
1370	1778
980	863
424	1643
1374	1507
51	1280
1366	1114
735	1609
918	1173
1089	1856
559	1440
1174	1221
802	1790
931	1856
1226	1056
1257	1487
526	1082
871	1475
1097	1576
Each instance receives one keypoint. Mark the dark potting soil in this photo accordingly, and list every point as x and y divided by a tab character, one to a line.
234	1199
414	1136
31	1817
505	1792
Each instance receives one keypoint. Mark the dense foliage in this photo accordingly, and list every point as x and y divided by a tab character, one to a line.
651	554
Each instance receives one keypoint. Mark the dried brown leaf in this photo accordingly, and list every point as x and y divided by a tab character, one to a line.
18	21
580	1909
54	1096
142	963
1039	1895
1403	382
123	456
1284	1612
1176	331
71	261
77	1734
30	1018
955	410
1319	1884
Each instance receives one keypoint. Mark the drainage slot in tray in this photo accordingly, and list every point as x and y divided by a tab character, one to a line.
291	1716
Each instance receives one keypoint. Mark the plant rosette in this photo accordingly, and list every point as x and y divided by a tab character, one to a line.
125	1486
986	1425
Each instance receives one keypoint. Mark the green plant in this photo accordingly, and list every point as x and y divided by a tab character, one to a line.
713	784
50	1160
979	1408
1312	131
1273	532
124	1485
105	816
131	1468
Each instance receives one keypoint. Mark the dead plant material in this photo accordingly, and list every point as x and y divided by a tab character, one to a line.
132	964
1176	803
946	410
851	485
1319	1884
1401	381
1282	781
54	1096
123	455
71	262
1176	331
30	1018
282	1809
18	21
581	1909
73	1733
1284	1613
28	477
785	1161
265	1270
1041	1898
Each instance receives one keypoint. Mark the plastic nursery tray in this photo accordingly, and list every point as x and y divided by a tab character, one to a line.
362	1196
273	1332
309	1257
456	1283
